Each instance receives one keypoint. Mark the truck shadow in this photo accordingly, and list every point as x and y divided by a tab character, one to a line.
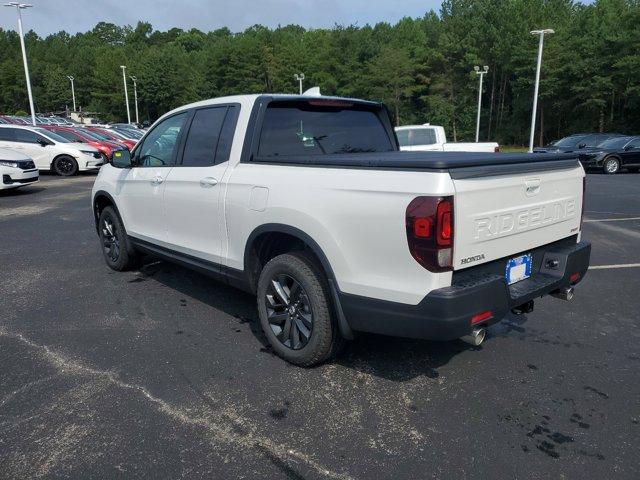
390	358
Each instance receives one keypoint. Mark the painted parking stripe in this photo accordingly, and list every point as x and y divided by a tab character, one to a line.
611	219
620	265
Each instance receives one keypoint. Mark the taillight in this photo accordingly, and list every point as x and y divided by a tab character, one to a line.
429	224
584	196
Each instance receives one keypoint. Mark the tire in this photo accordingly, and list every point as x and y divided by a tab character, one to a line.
65	166
611	165
113	240
293	298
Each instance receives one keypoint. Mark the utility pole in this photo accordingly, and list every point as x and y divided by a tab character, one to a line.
126	94
482	73
19	8
135	96
299	78
541	33
73	92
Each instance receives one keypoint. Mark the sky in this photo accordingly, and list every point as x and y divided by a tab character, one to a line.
50	16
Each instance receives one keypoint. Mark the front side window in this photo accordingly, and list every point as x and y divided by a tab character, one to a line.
158	148
321	128
27	136
202	139
403	137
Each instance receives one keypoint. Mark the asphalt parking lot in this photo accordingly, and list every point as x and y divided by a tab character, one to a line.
163	373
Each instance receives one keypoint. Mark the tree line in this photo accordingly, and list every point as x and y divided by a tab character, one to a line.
422	68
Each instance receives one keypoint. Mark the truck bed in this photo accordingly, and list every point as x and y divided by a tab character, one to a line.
459	164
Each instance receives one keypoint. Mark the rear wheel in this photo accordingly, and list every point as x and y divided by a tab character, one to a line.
113	239
65	166
295	310
611	165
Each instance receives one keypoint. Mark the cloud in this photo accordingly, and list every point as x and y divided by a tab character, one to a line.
50	16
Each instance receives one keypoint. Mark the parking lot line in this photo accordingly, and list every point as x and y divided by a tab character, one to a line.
619	265
611	219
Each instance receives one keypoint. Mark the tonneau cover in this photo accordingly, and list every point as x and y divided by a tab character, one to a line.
459	164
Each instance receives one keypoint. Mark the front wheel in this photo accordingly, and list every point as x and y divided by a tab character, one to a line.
113	239
295	310
611	165
65	166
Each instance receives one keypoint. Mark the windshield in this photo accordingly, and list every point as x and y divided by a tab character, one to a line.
305	128
571	141
617	142
51	135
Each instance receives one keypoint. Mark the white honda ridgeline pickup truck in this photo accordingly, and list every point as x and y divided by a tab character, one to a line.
308	203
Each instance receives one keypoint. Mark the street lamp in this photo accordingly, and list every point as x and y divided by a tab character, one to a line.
73	92
299	78
126	94
482	73
135	95
541	33
19	7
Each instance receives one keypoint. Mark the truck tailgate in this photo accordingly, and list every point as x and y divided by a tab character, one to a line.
500	215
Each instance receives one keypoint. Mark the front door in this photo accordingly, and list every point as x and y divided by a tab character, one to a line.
141	188
194	189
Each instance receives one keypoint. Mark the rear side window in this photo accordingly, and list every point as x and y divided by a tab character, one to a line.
422	136
209	139
7	135
302	128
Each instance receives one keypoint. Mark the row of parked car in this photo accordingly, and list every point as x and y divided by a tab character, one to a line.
609	152
64	149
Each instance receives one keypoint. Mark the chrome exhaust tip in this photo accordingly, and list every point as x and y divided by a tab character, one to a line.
476	337
564	293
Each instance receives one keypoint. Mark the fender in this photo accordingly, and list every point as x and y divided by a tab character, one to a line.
102	193
343	324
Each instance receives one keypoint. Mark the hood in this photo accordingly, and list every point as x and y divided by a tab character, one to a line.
6	154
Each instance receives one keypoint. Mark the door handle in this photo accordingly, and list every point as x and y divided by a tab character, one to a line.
208	182
157	180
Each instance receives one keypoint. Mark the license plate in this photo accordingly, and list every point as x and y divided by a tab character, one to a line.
518	269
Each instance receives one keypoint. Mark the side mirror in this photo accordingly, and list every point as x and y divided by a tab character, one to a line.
122	159
43	142
582	145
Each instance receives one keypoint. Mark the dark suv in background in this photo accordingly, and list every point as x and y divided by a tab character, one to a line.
613	154
575	142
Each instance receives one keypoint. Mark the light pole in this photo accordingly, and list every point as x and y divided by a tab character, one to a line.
299	78
126	94
541	33
73	92
135	95
19	7
482	73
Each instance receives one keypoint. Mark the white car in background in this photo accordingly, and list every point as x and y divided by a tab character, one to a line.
50	151
431	138
16	170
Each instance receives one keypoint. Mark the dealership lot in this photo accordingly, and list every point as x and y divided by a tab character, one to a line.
164	373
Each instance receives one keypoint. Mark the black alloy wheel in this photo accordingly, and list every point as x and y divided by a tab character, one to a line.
289	311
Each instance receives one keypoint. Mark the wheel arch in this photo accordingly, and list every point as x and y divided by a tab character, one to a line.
267	236
102	199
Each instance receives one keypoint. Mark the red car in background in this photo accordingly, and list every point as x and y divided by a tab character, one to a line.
105	147
113	136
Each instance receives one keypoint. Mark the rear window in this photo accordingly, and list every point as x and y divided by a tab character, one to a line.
410	137
301	128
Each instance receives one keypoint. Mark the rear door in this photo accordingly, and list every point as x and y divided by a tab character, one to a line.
504	215
631	153
194	188
141	188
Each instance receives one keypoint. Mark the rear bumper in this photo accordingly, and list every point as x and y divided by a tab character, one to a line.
445	314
